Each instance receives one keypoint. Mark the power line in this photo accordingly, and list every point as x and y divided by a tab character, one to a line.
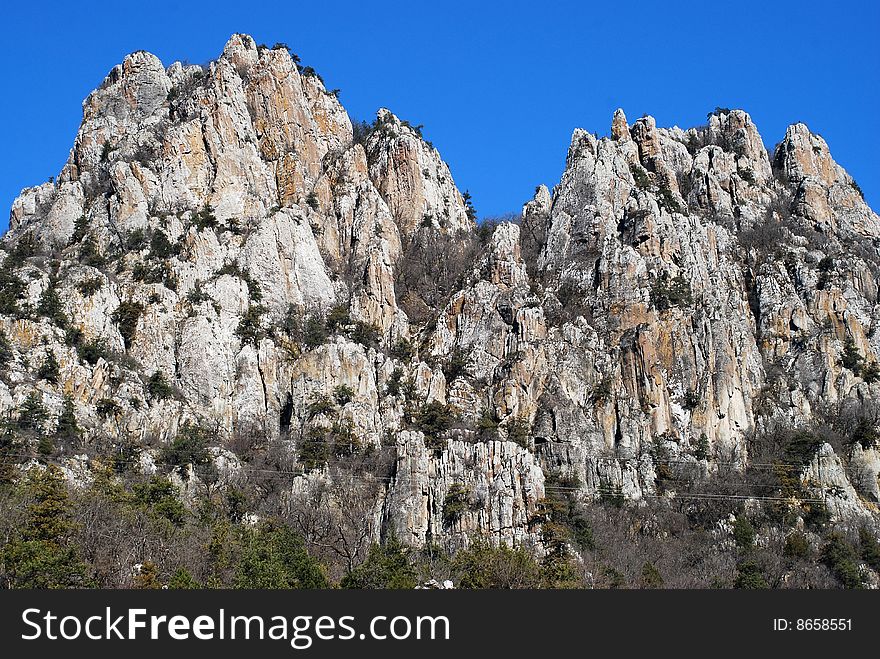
602	490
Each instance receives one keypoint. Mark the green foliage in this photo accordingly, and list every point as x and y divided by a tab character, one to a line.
92	351
651	577
158	386
749	576
309	72
701	452
365	334
80	227
747	175
314	451
155	273
25	247
126	317
314	332
843	560
124	456
316	328
68	429
797	546
615	578
90	255
107	407
360	132
189	447
455	504
455	365
12	288
869	548
434	419
49	370
345	442
320	405
312	200
387	566
670	202
561	516
337	319
743	533
667	293
855	186
136	240
236	504
197	295
183	580
717	111
483	566
50	306
39	555
250	325
468	204
826	264
393	385
89	286
6	353
343	394
272	556
801	447
160	245
817	516
416	128
640	176
487	425
32	415
519	431
602	391
851	358
691	400
871	372
205	218
866	433
147	577
158	497
402	350
232	269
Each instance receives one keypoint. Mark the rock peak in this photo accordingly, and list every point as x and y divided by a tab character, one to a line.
619	127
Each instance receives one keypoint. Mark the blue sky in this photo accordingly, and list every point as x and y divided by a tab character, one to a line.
499	87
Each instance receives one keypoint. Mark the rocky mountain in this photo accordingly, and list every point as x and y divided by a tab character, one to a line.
226	261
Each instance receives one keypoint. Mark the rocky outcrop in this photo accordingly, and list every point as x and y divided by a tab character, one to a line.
675	296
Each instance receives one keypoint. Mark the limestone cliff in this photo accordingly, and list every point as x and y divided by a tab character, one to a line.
224	250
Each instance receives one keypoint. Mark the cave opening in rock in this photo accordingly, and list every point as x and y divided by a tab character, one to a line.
286	414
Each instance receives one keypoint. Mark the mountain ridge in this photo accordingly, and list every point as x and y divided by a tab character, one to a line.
226	257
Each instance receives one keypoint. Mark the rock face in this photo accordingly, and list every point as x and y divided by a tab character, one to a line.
226	230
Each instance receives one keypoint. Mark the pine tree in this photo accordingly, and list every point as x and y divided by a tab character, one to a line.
31	414
40	554
68	429
851	358
51	307
183	580
749	576
49	370
387	566
6	353
273	556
